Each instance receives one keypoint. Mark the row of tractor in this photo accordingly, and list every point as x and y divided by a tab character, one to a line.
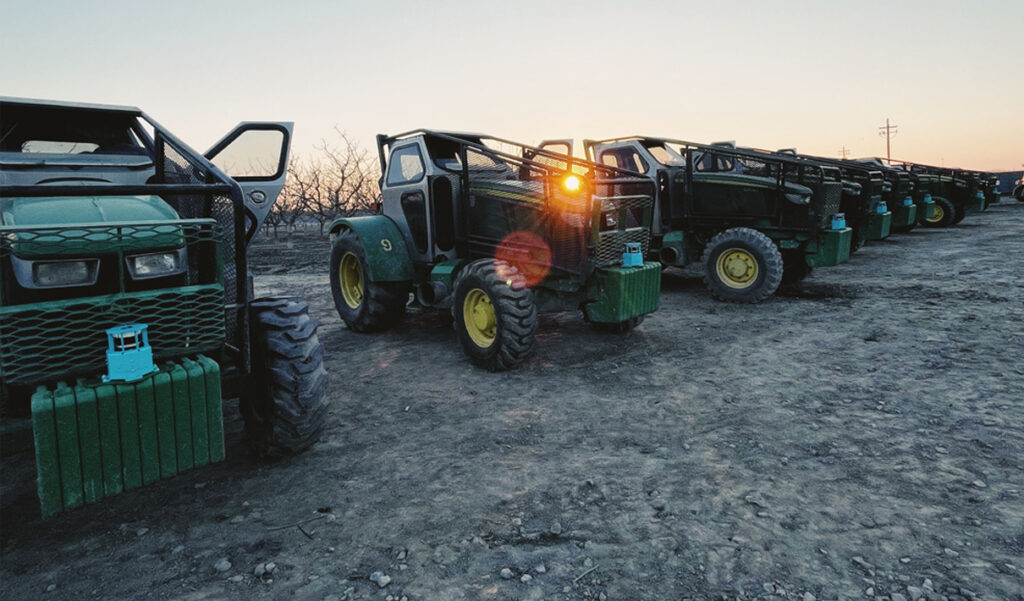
127	311
495	231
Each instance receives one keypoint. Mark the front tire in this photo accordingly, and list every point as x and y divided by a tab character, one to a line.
286	407
364	305
495	314
945	212
742	265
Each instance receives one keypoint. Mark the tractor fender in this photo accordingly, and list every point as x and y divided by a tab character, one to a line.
387	257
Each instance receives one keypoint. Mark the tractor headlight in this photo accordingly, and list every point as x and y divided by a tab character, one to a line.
63	273
611	221
155	265
55	274
572	183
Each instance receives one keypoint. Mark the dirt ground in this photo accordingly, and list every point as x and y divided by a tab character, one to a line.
859	437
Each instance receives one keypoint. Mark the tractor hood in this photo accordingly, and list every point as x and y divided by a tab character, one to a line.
67	210
77	225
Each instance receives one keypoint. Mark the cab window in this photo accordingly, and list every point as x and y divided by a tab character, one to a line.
624	158
406	166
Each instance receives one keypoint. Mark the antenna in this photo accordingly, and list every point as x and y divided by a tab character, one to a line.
888	131
844	152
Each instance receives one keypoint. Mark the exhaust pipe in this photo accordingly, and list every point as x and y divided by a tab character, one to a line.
430	293
669	255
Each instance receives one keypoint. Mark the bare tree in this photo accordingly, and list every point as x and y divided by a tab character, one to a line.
339	181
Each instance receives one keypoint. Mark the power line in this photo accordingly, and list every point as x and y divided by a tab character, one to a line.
888	131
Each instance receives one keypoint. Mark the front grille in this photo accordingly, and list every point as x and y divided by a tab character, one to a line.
633	216
611	244
46	341
44	335
827	200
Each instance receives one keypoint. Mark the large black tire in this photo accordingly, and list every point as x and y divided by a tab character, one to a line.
742	247
1018	193
495	314
961	212
794	267
285	409
374	306
945	213
620	327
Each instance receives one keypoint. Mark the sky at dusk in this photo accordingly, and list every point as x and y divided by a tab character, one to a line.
813	75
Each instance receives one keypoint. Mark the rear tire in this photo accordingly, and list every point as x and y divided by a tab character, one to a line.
364	305
794	267
742	265
945	212
961	212
286	408
495	314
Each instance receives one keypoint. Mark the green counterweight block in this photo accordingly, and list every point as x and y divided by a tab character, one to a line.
621	293
95	440
878	226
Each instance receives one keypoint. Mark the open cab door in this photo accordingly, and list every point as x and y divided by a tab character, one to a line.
556	153
255	155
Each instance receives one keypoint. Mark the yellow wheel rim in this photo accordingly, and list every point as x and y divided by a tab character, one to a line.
736	268
350	279
478	315
937	214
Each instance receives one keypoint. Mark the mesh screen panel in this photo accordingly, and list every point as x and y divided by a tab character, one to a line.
45	337
178	169
46	341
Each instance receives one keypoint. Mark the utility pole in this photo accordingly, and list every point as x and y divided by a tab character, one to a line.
887	131
845	152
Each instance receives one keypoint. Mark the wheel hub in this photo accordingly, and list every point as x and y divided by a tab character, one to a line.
737	267
479	318
350	280
937	214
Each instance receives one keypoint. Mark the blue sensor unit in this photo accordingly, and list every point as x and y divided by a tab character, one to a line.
980	194
839	221
129	356
908	201
881	208
927	197
634	256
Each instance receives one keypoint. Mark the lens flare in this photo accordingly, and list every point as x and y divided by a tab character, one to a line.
528	253
571	183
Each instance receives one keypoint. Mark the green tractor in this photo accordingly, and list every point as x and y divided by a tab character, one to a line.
497	232
126	308
933	210
956	192
909	209
867	212
988	183
753	219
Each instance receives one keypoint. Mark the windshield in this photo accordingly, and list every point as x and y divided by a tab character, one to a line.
58	130
664	153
